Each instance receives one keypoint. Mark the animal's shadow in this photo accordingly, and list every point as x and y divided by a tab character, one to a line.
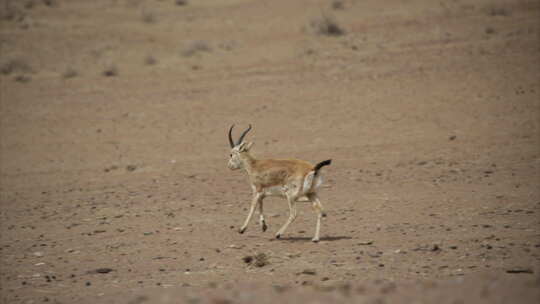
305	238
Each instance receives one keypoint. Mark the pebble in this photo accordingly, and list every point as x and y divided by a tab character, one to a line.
309	271
365	243
520	270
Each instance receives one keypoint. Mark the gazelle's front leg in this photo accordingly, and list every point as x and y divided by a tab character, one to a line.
257	199
262	222
292	215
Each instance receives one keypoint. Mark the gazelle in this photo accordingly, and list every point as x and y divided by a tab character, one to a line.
291	178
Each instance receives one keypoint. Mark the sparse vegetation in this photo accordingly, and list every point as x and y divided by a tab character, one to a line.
498	11
258	260
489	30
29	4
12	13
148	17
327	26
338	5
16	65
110	71
50	3
196	47
22	78
150	60
70	73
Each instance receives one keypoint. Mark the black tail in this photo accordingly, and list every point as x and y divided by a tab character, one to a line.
322	164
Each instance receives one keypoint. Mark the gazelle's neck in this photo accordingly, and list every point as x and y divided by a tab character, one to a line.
248	161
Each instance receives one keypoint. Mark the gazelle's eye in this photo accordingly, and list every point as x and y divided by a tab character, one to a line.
231	154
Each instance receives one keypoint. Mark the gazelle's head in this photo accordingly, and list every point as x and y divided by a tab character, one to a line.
239	150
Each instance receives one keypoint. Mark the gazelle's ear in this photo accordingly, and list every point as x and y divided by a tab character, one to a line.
245	146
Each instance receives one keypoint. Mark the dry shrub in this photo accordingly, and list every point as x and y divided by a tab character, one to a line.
29	4
148	17
196	47
50	3
22	78
110	71
327	26
338	5
498	11
150	60
70	73
258	260
9	12
15	65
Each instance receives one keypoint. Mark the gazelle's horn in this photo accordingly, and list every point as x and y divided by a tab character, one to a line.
231	142
243	135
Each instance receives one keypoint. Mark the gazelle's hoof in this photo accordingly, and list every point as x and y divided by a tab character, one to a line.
264	227
242	230
278	236
323	214
315	240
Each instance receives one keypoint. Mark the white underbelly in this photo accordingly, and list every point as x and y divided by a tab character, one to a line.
274	191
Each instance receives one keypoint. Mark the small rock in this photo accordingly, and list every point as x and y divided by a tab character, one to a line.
309	272
366	243
104	270
520	270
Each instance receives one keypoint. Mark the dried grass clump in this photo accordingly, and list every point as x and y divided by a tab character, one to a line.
196	47
9	12
498	11
16	65
150	60
110	71
327	26
70	73
338	5
258	260
23	78
148	17
50	3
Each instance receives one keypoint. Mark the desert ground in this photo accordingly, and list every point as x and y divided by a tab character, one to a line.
114	179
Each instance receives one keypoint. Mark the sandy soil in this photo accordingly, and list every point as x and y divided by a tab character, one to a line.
114	185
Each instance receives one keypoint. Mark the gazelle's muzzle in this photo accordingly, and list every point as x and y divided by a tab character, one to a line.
231	165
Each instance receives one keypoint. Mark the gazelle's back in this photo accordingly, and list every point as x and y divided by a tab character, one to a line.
283	169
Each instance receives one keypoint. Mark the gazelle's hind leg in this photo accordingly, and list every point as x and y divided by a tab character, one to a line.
313	197
292	215
317	207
